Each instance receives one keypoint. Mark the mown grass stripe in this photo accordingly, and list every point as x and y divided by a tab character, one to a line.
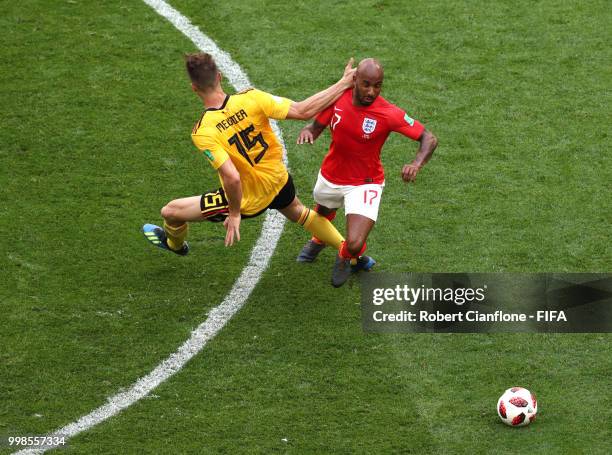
242	288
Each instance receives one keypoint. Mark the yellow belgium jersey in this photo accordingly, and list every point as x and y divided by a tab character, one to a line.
240	131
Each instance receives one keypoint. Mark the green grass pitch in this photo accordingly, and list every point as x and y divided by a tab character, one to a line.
94	139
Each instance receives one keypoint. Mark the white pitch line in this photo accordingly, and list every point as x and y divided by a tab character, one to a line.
233	301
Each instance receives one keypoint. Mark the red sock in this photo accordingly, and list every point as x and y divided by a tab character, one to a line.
330	216
344	253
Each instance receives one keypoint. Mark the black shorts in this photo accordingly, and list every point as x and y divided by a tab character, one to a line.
215	207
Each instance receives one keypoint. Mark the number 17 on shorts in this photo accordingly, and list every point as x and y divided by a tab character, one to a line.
364	200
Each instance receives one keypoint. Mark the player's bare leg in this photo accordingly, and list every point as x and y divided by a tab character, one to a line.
350	258
180	211
314	246
176	215
293	211
358	228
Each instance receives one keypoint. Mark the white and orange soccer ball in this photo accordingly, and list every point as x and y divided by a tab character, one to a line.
517	407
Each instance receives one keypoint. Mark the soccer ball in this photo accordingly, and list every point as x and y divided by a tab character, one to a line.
517	407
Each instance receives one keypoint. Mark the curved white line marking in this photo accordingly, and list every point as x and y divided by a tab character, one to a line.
233	301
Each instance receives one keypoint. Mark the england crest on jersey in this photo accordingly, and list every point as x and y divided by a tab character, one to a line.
369	125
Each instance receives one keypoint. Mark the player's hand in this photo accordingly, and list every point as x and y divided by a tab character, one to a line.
232	226
349	74
305	137
410	171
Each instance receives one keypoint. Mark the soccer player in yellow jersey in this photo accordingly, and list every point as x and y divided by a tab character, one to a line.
235	137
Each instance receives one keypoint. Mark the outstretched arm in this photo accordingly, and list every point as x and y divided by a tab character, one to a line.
233	190
310	133
427	144
304	110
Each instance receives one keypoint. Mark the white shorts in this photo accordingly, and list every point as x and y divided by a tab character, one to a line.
361	200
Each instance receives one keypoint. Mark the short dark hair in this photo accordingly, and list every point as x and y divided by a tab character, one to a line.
202	70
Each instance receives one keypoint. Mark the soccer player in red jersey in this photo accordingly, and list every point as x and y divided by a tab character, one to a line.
352	174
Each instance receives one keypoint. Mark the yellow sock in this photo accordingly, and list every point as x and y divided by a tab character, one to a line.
321	228
176	235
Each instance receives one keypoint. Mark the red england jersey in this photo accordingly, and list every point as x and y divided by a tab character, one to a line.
358	134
